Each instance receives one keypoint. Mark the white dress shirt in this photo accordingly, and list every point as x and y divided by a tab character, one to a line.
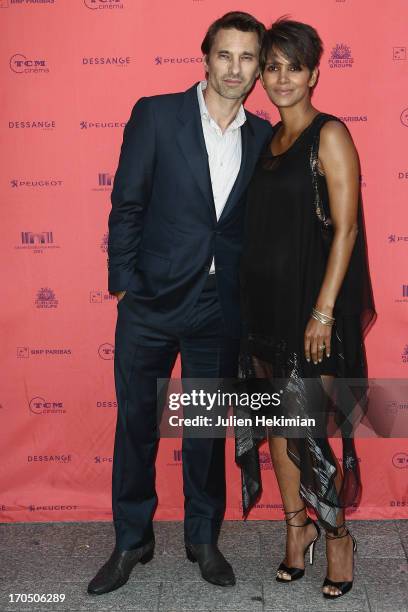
224	153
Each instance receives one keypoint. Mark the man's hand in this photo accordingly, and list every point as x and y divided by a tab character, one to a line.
120	295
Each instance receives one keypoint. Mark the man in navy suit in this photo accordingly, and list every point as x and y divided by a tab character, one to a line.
175	237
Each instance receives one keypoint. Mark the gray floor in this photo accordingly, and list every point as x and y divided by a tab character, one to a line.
63	557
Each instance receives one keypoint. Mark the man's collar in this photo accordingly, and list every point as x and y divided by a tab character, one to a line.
240	117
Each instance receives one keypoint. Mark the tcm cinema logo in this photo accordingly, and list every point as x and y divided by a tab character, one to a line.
104	4
341	57
100	459
21	64
404	117
104	243
32	125
35	184
404	356
46	298
117	60
105	181
159	60
40	406
97	125
63	458
24	352
38	242
400	461
399	53
101	297
106	351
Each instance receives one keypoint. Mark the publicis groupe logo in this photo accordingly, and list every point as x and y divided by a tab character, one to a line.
400	460
341	56
101	297
404	356
100	459
113	60
40	406
399	53
47	124
24	352
37	242
161	60
35	184
104	4
46	298
394	238
105	180
63	458
21	64
404	117
106	351
104	243
97	125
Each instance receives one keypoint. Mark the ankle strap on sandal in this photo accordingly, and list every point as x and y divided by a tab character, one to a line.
294	513
334	535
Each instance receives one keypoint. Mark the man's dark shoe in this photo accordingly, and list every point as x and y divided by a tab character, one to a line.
213	565
116	571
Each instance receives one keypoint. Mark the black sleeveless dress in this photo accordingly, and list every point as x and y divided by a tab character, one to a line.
288	235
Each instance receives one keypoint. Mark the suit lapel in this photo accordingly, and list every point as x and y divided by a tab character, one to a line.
190	138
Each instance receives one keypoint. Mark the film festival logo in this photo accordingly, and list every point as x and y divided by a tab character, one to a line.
37	242
404	117
106	351
24	352
101	297
399	53
105	180
341	57
20	64
46	298
104	4
400	460
177	458
39	406
159	60
403	296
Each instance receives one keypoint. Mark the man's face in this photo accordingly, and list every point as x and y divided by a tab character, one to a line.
232	64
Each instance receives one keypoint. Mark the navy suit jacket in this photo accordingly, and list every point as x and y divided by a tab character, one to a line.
163	229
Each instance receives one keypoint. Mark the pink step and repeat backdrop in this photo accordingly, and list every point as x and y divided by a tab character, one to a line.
71	71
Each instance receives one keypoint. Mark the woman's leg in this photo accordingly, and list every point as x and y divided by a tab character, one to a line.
339	551
288	477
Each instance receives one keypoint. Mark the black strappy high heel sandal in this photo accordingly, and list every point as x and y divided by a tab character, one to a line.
344	587
296	572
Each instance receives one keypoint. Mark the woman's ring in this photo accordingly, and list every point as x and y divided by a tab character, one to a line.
322	347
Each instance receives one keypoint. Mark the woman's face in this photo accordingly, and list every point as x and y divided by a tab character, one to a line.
285	83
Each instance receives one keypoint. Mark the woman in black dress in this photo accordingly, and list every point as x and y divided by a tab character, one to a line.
307	300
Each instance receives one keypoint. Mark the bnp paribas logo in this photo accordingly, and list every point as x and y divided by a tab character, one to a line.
341	56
